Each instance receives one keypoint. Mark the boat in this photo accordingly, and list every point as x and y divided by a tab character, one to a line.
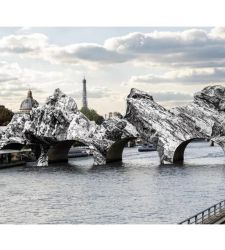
79	152
12	157
146	147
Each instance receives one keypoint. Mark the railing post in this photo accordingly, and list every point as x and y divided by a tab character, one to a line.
196	219
214	209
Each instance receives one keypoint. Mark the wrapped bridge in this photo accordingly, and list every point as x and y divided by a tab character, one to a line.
55	126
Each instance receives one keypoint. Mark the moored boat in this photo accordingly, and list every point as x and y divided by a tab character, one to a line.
12	157
79	152
146	147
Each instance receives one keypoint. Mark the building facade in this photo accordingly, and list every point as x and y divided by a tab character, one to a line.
28	103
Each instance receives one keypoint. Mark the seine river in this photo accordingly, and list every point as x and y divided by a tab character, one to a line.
138	190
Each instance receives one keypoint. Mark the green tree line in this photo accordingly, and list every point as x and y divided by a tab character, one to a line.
5	115
92	115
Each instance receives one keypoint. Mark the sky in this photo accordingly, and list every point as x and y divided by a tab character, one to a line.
171	63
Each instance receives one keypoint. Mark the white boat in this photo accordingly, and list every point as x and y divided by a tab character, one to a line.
12	157
79	152
146	147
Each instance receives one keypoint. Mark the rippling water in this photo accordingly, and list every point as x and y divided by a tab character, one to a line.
138	190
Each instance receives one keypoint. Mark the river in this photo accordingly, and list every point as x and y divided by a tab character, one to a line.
137	190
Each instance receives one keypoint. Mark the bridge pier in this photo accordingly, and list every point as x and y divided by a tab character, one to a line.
59	152
115	152
43	158
178	155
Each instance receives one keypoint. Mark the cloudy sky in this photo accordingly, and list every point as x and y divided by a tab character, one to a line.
170	63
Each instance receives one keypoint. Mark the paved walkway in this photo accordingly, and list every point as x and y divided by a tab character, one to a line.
217	219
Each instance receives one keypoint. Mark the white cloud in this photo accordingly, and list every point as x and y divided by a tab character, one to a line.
185	76
24	30
23	44
218	33
36	45
158	41
171	96
16	80
193	47
84	52
14	72
189	47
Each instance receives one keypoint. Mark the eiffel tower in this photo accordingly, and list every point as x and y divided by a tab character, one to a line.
84	94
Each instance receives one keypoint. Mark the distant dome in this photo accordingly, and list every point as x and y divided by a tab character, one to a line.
28	103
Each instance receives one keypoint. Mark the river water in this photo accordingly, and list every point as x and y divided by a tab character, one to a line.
138	190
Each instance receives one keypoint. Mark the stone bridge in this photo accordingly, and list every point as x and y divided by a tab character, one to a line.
172	130
58	124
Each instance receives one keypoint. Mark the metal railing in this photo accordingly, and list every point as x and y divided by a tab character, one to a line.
206	214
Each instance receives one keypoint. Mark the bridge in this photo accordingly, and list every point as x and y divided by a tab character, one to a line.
58	124
54	127
172	130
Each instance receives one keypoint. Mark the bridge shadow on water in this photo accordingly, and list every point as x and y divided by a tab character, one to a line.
197	154
198	157
73	167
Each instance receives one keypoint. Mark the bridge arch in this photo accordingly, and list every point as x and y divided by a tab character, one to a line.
178	155
58	152
115	152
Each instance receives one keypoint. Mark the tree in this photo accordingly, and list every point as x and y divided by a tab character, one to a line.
5	115
92	115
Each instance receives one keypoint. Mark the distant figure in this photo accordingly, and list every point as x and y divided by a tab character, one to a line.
84	96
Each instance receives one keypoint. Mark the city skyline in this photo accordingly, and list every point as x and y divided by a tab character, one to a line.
170	63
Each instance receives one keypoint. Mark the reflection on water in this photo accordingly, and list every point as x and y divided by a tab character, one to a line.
137	190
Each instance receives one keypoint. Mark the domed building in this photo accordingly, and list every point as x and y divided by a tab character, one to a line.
29	103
